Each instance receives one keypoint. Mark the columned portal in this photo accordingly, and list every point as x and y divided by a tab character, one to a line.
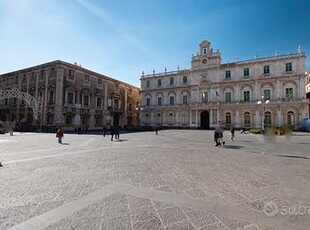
204	120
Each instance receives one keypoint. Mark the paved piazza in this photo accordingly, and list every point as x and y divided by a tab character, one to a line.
176	180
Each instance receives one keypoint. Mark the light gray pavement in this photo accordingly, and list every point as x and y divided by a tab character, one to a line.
176	180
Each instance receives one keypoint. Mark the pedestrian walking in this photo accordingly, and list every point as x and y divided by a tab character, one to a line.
232	131
112	133
156	130
117	129
59	135
218	135
0	164
104	131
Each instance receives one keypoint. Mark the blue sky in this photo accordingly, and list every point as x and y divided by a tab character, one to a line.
122	38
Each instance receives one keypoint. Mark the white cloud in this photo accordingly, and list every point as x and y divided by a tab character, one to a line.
115	24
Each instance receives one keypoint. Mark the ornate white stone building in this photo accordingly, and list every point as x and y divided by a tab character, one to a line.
70	96
211	91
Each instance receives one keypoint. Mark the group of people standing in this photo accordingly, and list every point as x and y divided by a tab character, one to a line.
114	132
218	135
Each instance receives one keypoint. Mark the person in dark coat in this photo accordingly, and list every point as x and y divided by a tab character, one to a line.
218	135
232	131
104	131
112	133
117	129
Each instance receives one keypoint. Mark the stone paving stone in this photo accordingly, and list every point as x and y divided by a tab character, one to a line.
198	218
249	227
171	214
165	188
216	226
233	224
161	205
176	161
118	223
81	223
184	225
119	209
143	214
150	224
137	202
199	193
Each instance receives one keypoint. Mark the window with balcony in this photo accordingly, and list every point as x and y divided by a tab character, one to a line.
159	101
204	97
227	97
71	74
184	99
266	70
184	81
266	94
171	100
288	67
99	103
246	72
148	83
148	101
289	93
247	119
158	82
227	75
85	100
171	81
70	97
246	96
86	79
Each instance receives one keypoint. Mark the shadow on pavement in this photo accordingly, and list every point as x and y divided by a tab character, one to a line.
233	147
292	156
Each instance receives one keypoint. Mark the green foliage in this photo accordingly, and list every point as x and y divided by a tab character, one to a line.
282	130
256	131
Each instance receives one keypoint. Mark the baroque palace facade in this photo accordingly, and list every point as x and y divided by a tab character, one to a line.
252	93
69	96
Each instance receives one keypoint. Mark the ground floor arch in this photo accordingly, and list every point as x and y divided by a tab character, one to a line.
205	120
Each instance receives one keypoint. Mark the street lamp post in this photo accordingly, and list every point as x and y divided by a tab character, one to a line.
263	102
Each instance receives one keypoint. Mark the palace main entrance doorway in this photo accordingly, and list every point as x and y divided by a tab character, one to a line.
204	120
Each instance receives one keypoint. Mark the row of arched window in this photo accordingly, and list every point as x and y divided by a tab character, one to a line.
267	118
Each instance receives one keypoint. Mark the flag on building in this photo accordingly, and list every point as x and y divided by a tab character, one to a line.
217	95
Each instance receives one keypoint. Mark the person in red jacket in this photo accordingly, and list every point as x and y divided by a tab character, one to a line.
59	135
